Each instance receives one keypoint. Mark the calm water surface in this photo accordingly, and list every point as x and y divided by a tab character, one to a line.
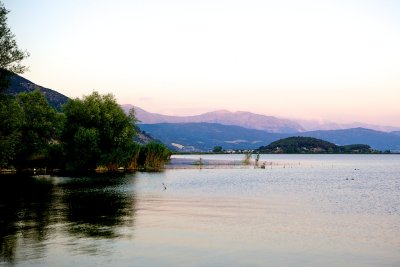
302	210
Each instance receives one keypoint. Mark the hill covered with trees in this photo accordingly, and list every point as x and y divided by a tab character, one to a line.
18	84
309	145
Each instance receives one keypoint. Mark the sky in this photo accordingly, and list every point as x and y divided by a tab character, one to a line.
327	60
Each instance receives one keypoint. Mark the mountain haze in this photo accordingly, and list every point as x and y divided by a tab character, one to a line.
238	118
314	125
254	121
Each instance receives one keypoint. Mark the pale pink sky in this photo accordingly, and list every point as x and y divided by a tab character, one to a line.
332	60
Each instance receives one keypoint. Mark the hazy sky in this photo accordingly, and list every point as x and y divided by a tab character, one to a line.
333	60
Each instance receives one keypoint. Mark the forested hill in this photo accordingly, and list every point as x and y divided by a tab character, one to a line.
312	145
19	84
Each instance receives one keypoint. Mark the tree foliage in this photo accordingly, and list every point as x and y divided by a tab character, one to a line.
217	149
92	132
11	120
10	112
96	132
40	129
11	55
29	128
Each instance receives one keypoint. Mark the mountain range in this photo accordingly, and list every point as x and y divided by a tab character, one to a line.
238	118
232	130
204	136
253	121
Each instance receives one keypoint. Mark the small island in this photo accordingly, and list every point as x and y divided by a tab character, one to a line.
310	145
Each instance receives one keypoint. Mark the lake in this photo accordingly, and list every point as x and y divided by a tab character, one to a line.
301	210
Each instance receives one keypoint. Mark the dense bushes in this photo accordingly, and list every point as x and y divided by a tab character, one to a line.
92	132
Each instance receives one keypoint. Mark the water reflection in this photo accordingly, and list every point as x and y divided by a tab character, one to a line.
95	207
300	216
32	210
24	212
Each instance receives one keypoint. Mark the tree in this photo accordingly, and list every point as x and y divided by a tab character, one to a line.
41	129
11	120
10	55
96	132
10	112
217	149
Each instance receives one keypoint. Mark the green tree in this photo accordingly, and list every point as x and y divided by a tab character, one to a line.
97	132
40	129
11	120
217	149
10	55
10	112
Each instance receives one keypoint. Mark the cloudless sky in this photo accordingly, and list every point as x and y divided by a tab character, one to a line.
331	60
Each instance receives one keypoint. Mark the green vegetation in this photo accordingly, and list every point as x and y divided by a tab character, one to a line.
10	55
312	145
217	149
40	129
153	156
256	159
247	158
96	132
10	129
11	117
90	133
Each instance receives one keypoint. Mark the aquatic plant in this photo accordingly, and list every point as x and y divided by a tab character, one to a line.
247	157
153	156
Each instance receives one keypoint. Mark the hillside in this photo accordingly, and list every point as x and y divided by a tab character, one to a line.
239	118
204	136
19	84
311	145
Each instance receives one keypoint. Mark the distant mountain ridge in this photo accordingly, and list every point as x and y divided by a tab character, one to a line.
225	117
313	125
253	121
204	136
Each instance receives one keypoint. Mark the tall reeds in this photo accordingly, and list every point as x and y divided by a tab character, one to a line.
150	157
247	158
